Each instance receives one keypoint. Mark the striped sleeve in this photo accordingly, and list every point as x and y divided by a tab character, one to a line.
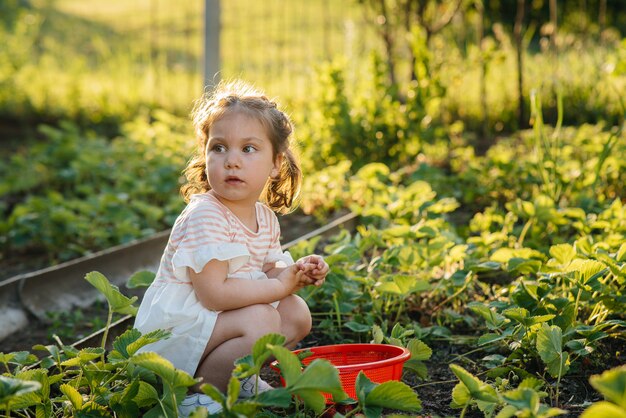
276	255
202	236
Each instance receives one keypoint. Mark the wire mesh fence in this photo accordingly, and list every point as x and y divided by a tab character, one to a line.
110	56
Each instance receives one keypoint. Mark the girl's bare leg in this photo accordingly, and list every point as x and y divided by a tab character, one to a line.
234	335
295	319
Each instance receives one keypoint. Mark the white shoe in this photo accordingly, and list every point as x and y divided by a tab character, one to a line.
252	386
191	402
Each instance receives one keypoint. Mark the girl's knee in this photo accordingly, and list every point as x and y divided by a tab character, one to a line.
263	319
296	315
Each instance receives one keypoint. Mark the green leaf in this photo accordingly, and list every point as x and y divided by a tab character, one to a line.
563	254
11	387
117	301
494	320
394	395
612	385
261	351
417	367
320	375
312	399
377	334
477	389
140	279
213	392
460	396
550	348
146	395
604	410
522	398
621	253
72	395
232	392
363	386
523	265
163	368
288	363
419	350
83	356
357	327
131	340
279	397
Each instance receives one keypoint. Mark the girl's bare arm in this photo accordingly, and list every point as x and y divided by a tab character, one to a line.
218	293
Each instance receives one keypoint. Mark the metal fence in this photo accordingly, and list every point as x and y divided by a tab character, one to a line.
155	48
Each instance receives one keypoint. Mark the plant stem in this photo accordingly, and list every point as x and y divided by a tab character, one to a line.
337	311
522	236
106	332
464	409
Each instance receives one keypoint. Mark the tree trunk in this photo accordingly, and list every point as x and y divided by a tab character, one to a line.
519	22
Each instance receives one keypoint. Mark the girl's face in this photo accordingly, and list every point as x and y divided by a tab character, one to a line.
239	158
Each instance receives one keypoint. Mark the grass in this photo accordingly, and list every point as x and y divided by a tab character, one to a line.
100	62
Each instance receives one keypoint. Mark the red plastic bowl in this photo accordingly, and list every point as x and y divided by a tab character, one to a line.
379	362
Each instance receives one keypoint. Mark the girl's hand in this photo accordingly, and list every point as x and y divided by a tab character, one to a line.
314	268
293	278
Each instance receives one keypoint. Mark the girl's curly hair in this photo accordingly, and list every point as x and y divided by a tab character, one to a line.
280	193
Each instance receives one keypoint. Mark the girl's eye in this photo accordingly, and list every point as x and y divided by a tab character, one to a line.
218	148
248	149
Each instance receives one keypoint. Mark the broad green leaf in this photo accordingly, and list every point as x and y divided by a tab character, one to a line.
563	254
460	396
140	279
612	385
377	334
372	411
19	357
288	363
131	340
83	356
477	389
363	386
232	392
313	399
279	397
402	285
147	395
72	395
604	410
550	348
117	301
213	392
418	367
357	327
394	395
532	383
490	338
494	320
162	368
260	349
620	256
516	314
586	268
522	398
10	387
322	376
523	265
419	350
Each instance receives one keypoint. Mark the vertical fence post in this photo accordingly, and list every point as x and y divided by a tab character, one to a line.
211	42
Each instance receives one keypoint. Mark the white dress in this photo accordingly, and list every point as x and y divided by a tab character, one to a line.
205	230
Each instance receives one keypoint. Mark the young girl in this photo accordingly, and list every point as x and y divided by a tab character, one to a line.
223	281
